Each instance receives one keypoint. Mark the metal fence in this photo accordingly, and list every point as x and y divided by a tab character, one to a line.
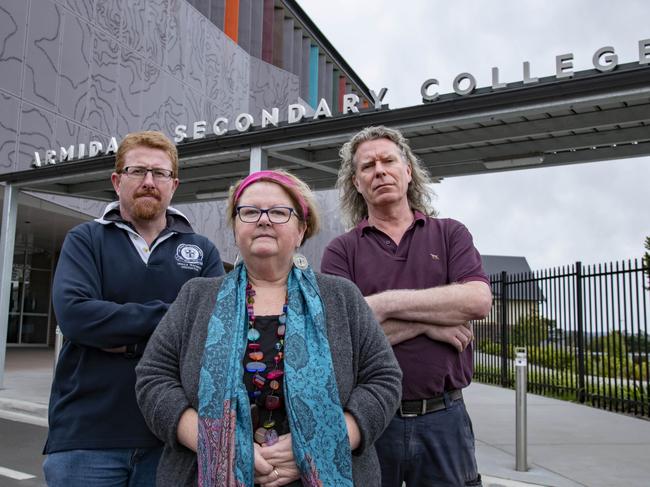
585	329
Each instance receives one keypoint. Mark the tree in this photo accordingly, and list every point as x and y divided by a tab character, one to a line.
531	330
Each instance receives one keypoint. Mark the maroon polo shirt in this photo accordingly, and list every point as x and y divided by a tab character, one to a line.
432	252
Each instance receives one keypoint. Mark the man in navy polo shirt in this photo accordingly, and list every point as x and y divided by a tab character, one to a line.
114	281
424	281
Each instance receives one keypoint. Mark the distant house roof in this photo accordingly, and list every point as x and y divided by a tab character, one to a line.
495	264
521	280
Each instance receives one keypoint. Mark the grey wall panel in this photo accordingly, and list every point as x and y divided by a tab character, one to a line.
162	110
214	59
174	63
9	116
194	107
83	8
171	112
133	28
67	133
271	87
156	31
43	48
232	96
194	48
35	134
108	16
128	108
13	28
153	89
74	77
238	66
102	98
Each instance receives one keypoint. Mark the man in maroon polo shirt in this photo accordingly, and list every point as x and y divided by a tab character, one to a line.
422	277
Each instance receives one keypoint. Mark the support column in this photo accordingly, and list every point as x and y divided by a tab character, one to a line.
259	159
7	239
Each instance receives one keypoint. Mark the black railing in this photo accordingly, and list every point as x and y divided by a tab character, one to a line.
585	329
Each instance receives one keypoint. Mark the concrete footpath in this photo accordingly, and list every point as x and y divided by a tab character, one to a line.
568	444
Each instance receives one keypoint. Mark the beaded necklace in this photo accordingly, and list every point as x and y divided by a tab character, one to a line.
266	433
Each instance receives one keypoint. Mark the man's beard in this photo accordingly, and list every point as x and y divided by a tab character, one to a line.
147	208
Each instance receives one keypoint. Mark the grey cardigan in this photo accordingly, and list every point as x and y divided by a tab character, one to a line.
367	374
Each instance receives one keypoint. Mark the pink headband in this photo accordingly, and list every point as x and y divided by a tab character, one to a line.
280	178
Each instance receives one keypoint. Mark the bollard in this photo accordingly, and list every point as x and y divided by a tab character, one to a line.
58	343
521	387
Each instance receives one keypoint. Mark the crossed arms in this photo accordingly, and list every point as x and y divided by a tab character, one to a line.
441	313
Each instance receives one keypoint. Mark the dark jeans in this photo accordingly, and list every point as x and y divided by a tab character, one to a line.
435	449
116	467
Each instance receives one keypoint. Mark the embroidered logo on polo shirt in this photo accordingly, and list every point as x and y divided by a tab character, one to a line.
189	257
434	257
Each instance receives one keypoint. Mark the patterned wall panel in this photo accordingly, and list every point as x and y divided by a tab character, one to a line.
42	56
100	68
109	14
83	8
9	116
271	87
67	133
36	133
133	25
175	60
129	91
194	49
155	31
13	28
102	98
194	106
74	74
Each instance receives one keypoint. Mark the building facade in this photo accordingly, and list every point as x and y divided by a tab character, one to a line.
74	72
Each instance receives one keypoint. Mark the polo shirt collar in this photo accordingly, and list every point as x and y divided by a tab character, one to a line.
364	227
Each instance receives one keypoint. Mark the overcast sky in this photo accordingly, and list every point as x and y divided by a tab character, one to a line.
554	216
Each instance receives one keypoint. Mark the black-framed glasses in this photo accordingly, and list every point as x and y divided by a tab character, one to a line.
275	214
140	172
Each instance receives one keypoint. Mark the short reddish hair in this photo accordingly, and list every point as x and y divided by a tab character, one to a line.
146	138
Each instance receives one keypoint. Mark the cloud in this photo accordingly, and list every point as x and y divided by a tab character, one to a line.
554	216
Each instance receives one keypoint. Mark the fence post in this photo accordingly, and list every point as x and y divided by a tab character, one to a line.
505	382
581	333
521	413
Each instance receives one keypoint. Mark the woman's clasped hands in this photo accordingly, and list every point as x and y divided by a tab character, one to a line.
275	465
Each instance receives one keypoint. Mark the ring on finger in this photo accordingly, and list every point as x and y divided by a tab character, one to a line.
277	474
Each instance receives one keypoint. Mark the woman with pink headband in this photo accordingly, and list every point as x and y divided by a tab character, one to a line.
272	375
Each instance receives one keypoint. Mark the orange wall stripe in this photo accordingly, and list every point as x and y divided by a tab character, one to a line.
231	21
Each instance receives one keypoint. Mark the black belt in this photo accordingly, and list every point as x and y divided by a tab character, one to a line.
418	407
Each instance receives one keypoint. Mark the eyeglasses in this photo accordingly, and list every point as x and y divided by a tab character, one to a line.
140	172
276	214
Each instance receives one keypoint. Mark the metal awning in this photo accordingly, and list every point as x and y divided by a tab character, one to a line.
591	117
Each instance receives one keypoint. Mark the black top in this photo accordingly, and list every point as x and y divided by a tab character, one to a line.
267	326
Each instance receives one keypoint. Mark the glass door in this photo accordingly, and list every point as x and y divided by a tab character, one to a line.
29	310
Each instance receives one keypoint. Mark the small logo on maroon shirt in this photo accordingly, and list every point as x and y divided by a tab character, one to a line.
434	257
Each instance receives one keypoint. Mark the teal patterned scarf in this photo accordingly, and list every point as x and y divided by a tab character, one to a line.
316	422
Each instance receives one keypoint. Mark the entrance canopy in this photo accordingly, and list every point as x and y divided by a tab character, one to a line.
591	117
